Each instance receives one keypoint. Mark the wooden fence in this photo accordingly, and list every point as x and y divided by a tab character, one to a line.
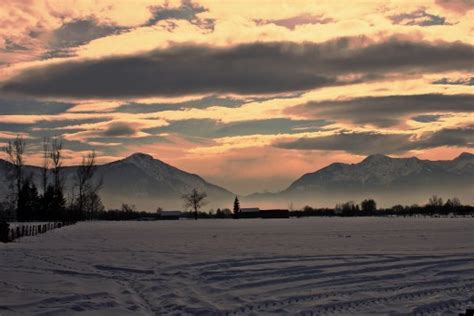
8	234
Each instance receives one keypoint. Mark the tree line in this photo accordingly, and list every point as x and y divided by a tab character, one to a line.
48	202
368	207
28	202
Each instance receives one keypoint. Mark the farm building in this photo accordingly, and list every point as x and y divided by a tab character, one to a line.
170	215
274	214
249	212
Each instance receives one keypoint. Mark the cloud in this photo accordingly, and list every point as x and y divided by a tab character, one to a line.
462	81
30	106
419	17
355	143
187	11
76	33
452	137
257	68
119	129
10	46
367	143
201	103
458	6
426	118
79	32
292	22
384	111
208	128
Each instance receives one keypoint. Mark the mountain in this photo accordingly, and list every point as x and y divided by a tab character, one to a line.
140	180
389	180
148	183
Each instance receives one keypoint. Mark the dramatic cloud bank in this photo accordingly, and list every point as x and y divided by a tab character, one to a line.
384	111
248	95
258	68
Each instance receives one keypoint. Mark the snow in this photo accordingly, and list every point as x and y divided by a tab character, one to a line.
335	266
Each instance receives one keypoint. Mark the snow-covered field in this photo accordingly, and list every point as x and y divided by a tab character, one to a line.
308	266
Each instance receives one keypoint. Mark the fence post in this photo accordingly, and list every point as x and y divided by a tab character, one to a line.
4	230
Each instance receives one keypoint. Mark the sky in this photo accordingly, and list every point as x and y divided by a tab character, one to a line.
248	94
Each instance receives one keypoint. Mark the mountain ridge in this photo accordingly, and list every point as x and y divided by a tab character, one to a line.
148	182
382	177
144	181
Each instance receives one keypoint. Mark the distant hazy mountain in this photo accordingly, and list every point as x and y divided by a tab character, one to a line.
149	183
143	181
389	180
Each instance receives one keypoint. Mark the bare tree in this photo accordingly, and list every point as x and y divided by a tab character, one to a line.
56	156
46	164
84	181
15	151
435	201
194	200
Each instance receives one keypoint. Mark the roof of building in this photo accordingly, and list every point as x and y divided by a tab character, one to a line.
250	210
170	213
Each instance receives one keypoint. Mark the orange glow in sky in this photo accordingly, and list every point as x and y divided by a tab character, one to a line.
248	94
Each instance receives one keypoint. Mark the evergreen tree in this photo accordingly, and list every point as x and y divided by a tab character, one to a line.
236	207
54	205
28	201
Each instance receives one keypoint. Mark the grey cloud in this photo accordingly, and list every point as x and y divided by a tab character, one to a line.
371	143
384	111
426	118
29	106
11	46
58	53
79	32
355	143
209	128
195	104
187	11
47	128
258	68
119	129
447	81
419	17
292	22
453	137
76	33
458	6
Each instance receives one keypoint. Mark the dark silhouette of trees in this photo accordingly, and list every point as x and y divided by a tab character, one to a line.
223	213
194	200
128	208
15	151
45	165
435	201
347	209
55	194
452	205
368	206
57	161
87	200
236	207
435	204
29	201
